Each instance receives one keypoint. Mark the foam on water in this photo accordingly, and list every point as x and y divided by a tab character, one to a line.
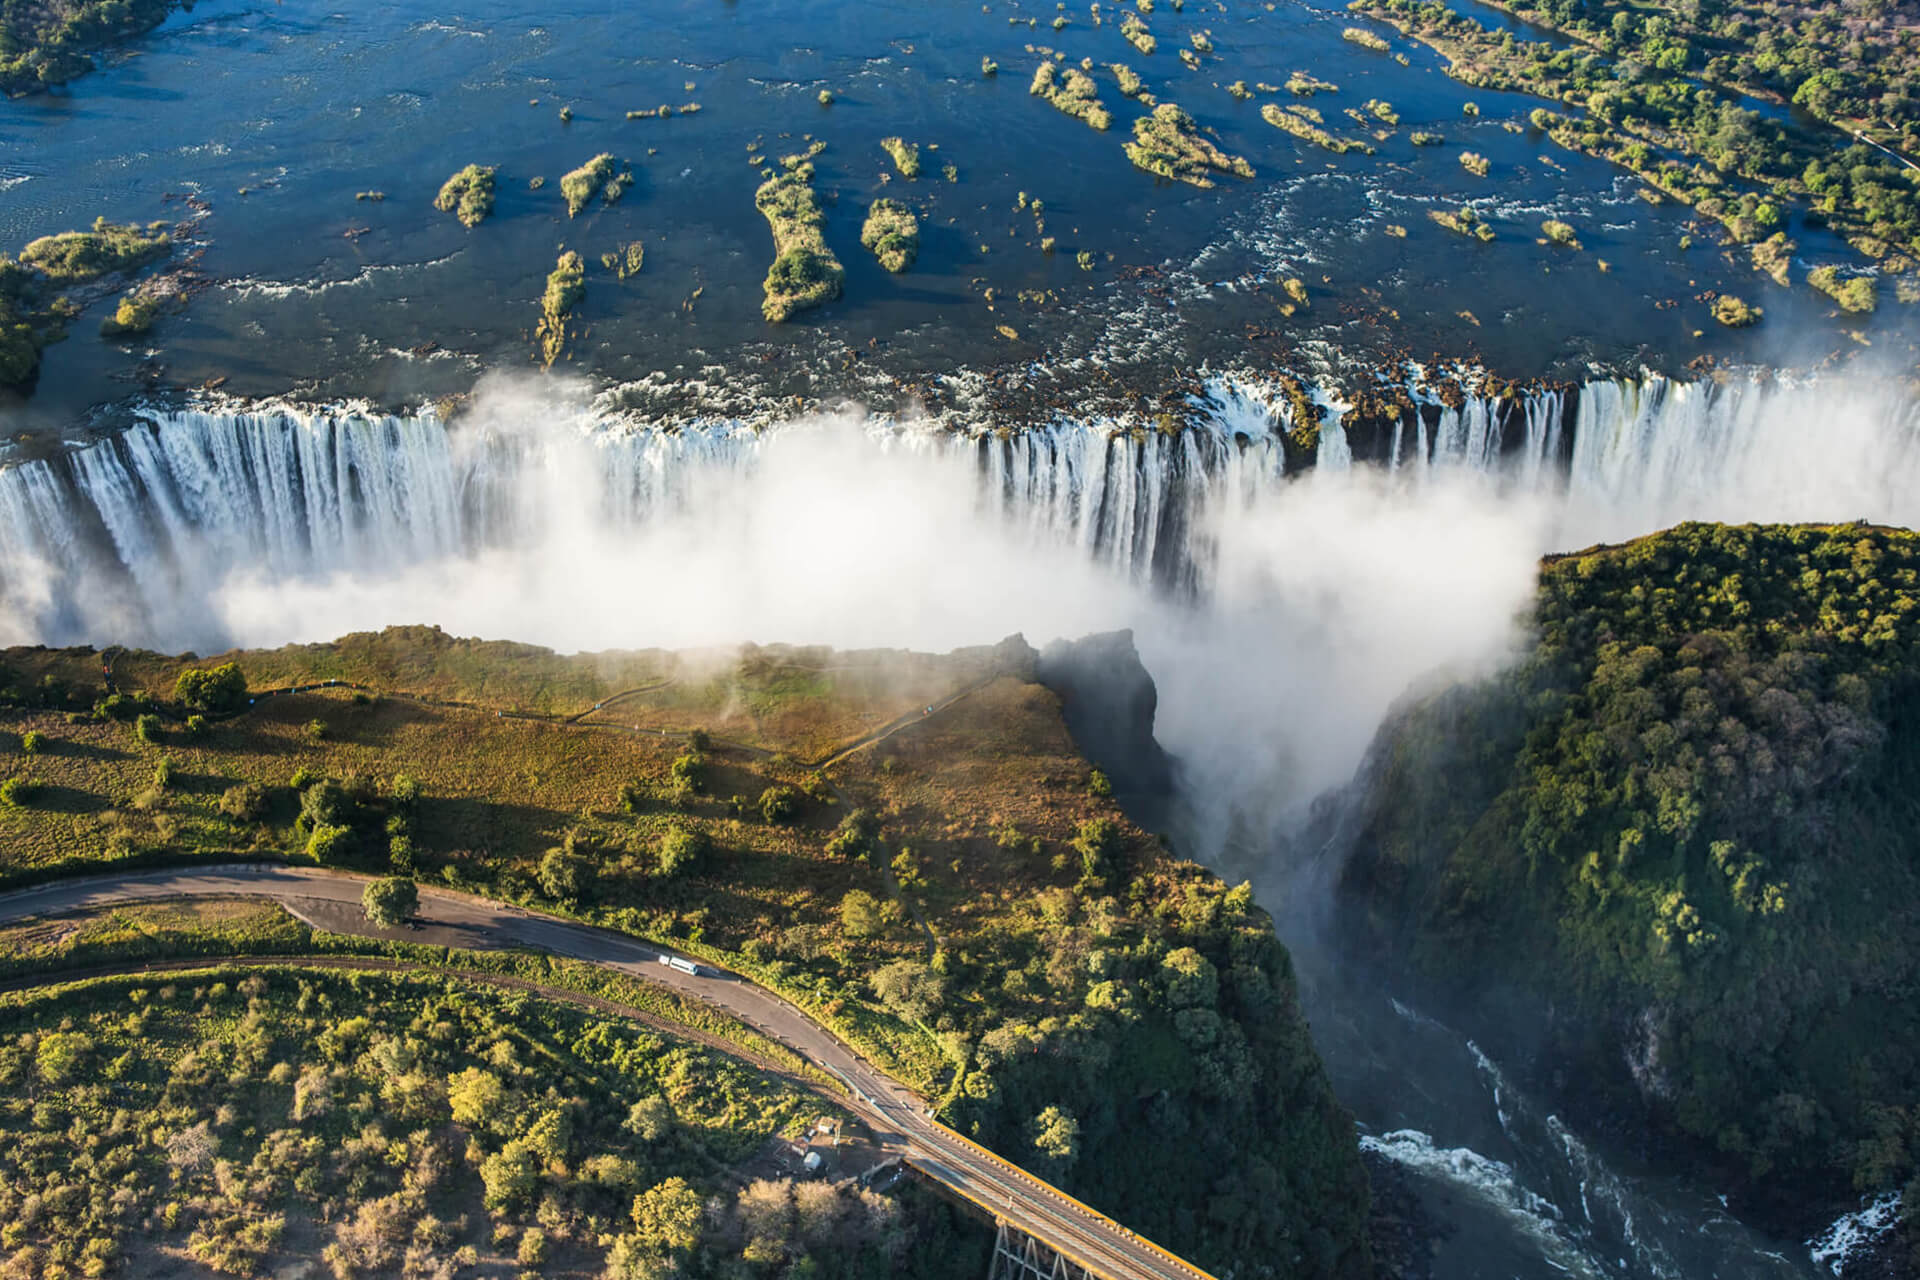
1854	1232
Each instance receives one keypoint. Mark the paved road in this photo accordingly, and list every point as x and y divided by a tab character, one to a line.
897	1116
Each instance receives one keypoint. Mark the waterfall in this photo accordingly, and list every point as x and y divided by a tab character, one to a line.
125	537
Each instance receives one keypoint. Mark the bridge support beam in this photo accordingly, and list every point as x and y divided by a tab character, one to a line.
1018	1256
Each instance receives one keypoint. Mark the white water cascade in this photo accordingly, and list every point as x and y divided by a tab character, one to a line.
127	537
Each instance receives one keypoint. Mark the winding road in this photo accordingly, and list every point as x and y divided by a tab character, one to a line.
898	1117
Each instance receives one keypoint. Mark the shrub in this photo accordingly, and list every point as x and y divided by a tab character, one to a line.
316	730
1557	232
1095	841
1098	784
854	837
564	875
220	689
681	849
1734	312
690	769
244	802
389	900
32	742
18	793
468	195
400	853
303	777
633	797
325	803
330	844
197	725
163	773
147	728
779	803
404	790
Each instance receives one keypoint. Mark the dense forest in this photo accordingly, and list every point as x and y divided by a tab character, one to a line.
1681	834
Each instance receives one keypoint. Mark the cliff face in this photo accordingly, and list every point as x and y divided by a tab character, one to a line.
1676	841
1109	702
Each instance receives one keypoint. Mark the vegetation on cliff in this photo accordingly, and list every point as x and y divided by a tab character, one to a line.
957	898
1683	823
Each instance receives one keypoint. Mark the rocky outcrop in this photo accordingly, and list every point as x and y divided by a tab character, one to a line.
1109	702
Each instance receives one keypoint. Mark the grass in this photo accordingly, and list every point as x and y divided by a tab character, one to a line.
805	272
1075	94
600	176
1304	123
468	195
566	285
893	233
79	257
1167	143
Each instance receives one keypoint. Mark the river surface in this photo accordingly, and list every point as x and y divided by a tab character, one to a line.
215	521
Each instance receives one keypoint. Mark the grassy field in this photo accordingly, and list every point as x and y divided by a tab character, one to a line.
230	1116
959	899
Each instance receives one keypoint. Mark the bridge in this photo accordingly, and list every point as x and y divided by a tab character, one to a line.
1042	1233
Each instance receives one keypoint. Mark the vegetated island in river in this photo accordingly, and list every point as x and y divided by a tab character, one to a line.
911	847
1671	852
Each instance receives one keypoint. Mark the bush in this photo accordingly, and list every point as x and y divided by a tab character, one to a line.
220	689
853	838
389	900
163	773
316	730
147	728
330	844
690	769
404	790
1734	312
303	777
400	853
681	849
197	726
32	742
1095	841
633	797
564	875
18	793
244	802
779	803
1098	784
325	803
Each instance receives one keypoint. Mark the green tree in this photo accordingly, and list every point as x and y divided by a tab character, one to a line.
681	849
860	914
33	742
779	803
666	1217
244	802
564	875
390	900
476	1097
690	769
219	690
330	844
1056	1135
